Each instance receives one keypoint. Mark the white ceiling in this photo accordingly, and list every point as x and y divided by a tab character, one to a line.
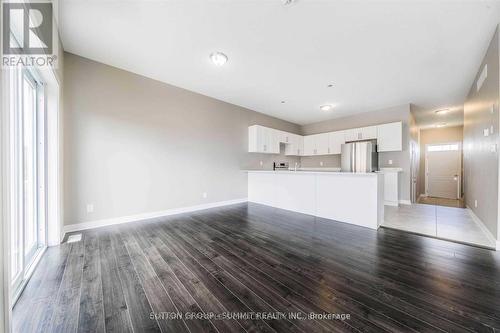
375	53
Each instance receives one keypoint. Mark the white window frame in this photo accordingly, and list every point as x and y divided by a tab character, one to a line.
28	265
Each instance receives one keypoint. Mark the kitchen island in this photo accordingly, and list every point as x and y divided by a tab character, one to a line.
355	198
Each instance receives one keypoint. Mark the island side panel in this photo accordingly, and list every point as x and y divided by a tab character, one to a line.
350	198
291	191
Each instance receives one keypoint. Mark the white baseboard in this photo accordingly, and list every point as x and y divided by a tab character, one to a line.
145	216
405	202
481	225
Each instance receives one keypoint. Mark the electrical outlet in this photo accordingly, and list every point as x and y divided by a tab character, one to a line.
390	162
204	195
90	208
475	203
261	163
321	163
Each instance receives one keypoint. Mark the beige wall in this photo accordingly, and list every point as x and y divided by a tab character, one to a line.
400	159
135	145
480	162
436	135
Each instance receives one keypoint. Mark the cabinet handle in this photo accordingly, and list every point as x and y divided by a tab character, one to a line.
298	151
328	150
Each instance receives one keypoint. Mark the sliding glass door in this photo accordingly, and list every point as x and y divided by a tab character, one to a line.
28	230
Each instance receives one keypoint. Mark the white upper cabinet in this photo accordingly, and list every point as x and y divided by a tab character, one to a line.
286	137
309	145
263	140
390	137
335	141
322	143
362	133
267	140
316	144
368	133
295	145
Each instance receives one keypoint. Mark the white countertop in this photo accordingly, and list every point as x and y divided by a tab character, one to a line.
302	172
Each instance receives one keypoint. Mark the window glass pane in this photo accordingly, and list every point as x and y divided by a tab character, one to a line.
29	166
450	147
16	227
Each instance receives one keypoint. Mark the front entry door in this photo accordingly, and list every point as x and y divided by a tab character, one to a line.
443	165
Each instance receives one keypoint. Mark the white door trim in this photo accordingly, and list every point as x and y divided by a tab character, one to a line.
426	170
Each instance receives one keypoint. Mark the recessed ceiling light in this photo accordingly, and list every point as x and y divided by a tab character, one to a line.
440	125
218	58
326	107
443	111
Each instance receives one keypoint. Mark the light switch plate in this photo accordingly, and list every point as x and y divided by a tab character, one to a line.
321	163
390	162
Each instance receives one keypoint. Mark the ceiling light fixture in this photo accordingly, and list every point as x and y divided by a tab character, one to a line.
440	125
330	85
443	111
287	2
218	58
326	107
282	102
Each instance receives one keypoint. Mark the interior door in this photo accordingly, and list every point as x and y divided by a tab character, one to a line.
443	165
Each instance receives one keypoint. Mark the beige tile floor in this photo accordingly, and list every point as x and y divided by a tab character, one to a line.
437	221
459	203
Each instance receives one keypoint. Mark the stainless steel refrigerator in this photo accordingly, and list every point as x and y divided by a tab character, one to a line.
359	156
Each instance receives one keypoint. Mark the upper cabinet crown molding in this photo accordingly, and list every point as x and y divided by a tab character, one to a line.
267	140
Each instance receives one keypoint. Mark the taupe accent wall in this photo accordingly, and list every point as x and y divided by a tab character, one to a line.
399	159
480	151
436	135
135	145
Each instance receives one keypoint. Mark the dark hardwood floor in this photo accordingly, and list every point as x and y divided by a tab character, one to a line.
240	268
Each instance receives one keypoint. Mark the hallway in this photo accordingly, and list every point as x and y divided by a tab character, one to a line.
449	223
